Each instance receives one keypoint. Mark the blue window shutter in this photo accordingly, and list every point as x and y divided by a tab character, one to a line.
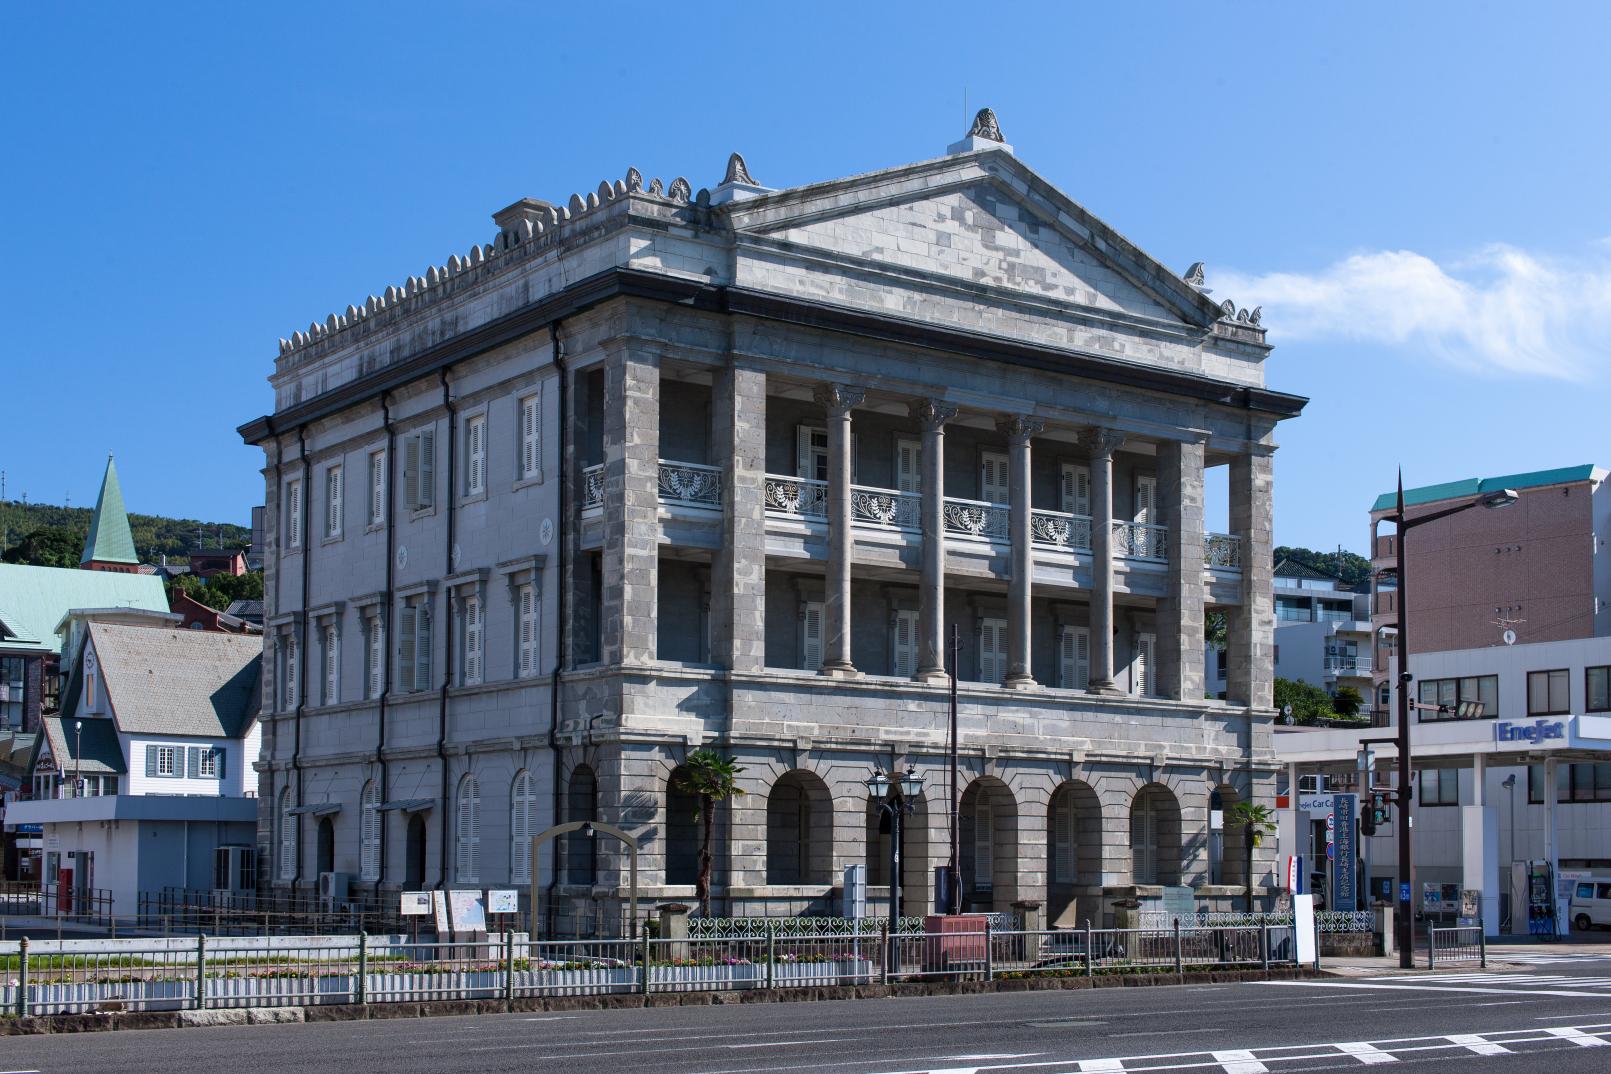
220	762
151	761
194	761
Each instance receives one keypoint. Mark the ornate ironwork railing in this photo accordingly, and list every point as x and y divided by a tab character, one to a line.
1058	530
799	497
1137	540
885	508
592	488
691	484
1222	552
704	927
976	519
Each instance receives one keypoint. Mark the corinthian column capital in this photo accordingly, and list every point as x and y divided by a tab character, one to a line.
1020	428
1101	442
932	414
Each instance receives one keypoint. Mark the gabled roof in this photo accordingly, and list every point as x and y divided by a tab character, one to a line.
1291	568
91	750
33	600
110	540
179	682
1466	488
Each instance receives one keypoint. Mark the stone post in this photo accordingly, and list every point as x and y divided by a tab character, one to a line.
630	610
932	415
838	400
1101	444
738	592
1250	664
1180	612
674	926
1019	430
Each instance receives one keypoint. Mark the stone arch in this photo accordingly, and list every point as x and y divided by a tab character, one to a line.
1073	850
987	829
1156	851
325	856
799	830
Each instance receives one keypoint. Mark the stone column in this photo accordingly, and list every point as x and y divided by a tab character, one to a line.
932	415
1180	612
1019	430
631	506
1101	444
838	400
738	590
1250	664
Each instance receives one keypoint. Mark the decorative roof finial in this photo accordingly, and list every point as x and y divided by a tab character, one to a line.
985	126
1194	275
737	172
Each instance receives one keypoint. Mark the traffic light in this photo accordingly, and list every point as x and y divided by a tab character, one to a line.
1378	812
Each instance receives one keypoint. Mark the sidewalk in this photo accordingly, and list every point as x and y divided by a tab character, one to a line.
1502	958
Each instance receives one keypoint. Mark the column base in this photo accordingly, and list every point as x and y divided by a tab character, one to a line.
1020	682
1104	688
839	671
931	675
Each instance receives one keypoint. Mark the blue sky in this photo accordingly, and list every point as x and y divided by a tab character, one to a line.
1414	192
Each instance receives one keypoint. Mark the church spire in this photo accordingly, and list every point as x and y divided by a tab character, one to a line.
110	544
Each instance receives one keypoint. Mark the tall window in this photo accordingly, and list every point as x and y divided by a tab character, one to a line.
1597	689
471	631
288	669
414	646
332	502
1074	491
293	514
531	460
332	664
1146	504
992	650
994	479
288	822
1141	666
374	657
1548	693
1449	693
811	452
467	836
1074	658
91	683
475	455
419	470
369	832
526	627
377	488
522	825
903	644
811	634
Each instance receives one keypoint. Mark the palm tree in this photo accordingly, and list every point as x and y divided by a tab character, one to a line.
1255	821
711	778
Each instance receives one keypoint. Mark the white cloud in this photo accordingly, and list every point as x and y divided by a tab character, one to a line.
1502	311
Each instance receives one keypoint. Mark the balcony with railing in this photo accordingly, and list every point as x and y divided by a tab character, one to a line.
1348	665
691	484
1139	540
1222	552
1060	531
885	509
976	520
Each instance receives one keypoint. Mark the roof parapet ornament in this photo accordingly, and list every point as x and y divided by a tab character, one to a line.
737	184
984	134
1195	275
737	171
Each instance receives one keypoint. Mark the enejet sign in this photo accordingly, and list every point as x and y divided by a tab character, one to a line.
1531	733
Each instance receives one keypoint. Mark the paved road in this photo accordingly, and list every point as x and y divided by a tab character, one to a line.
1558	1014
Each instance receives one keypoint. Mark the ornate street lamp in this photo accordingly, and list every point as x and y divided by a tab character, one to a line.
896	797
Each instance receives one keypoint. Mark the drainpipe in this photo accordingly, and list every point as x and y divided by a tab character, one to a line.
562	619
302	644
384	622
447	625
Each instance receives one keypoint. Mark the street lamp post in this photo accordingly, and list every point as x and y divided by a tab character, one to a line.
78	753
897	798
1405	927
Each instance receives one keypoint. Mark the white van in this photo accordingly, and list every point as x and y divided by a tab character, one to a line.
1591	903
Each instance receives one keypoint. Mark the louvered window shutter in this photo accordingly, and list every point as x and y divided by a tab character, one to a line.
288	835
476	453
293	514
804	457
422	648
1074	494
811	635
528	437
908	463
377	488
427	468
192	762
332	665
1146	499
332	506
377	655
527	626
151	761
290	671
993	480
369	833
1062	836
905	643
1142	683
218	762
520	829
992	650
983	842
472	639
411	472
405	648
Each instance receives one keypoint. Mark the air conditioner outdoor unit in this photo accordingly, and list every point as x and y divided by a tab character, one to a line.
333	886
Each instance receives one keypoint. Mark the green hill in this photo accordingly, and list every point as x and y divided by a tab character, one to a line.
48	535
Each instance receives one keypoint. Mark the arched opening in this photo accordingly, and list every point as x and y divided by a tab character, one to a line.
326	856
799	831
522	825
879	840
369	832
467	833
1227	842
682	833
1073	851
288	837
1155	848
581	803
414	853
987	828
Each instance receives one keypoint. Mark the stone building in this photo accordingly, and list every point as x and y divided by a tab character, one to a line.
657	469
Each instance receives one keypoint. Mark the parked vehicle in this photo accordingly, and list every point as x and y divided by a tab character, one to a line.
1591	903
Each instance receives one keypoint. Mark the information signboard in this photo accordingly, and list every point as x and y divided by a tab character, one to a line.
1344	867
414	903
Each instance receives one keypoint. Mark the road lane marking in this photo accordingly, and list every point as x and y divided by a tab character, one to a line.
1435	988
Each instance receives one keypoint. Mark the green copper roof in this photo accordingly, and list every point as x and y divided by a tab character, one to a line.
109	540
1474	486
34	599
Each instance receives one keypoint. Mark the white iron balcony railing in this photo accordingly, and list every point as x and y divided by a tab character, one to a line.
691	484
1222	552
796	497
1138	540
1055	529
976	519
885	508
1349	665
592	489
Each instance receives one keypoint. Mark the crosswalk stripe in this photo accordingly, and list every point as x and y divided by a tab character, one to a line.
1368	1054
1240	1061
1101	1066
1576	1036
1476	1043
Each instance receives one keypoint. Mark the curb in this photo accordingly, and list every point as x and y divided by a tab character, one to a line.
353	1012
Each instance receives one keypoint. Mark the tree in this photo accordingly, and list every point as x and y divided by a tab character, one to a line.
1216	629
50	546
1310	704
711	778
1347	701
1351	568
1255	822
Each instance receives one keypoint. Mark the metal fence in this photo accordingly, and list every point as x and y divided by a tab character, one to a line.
1325	920
1463	943
211	972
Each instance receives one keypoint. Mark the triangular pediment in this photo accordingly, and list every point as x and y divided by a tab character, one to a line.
980	220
